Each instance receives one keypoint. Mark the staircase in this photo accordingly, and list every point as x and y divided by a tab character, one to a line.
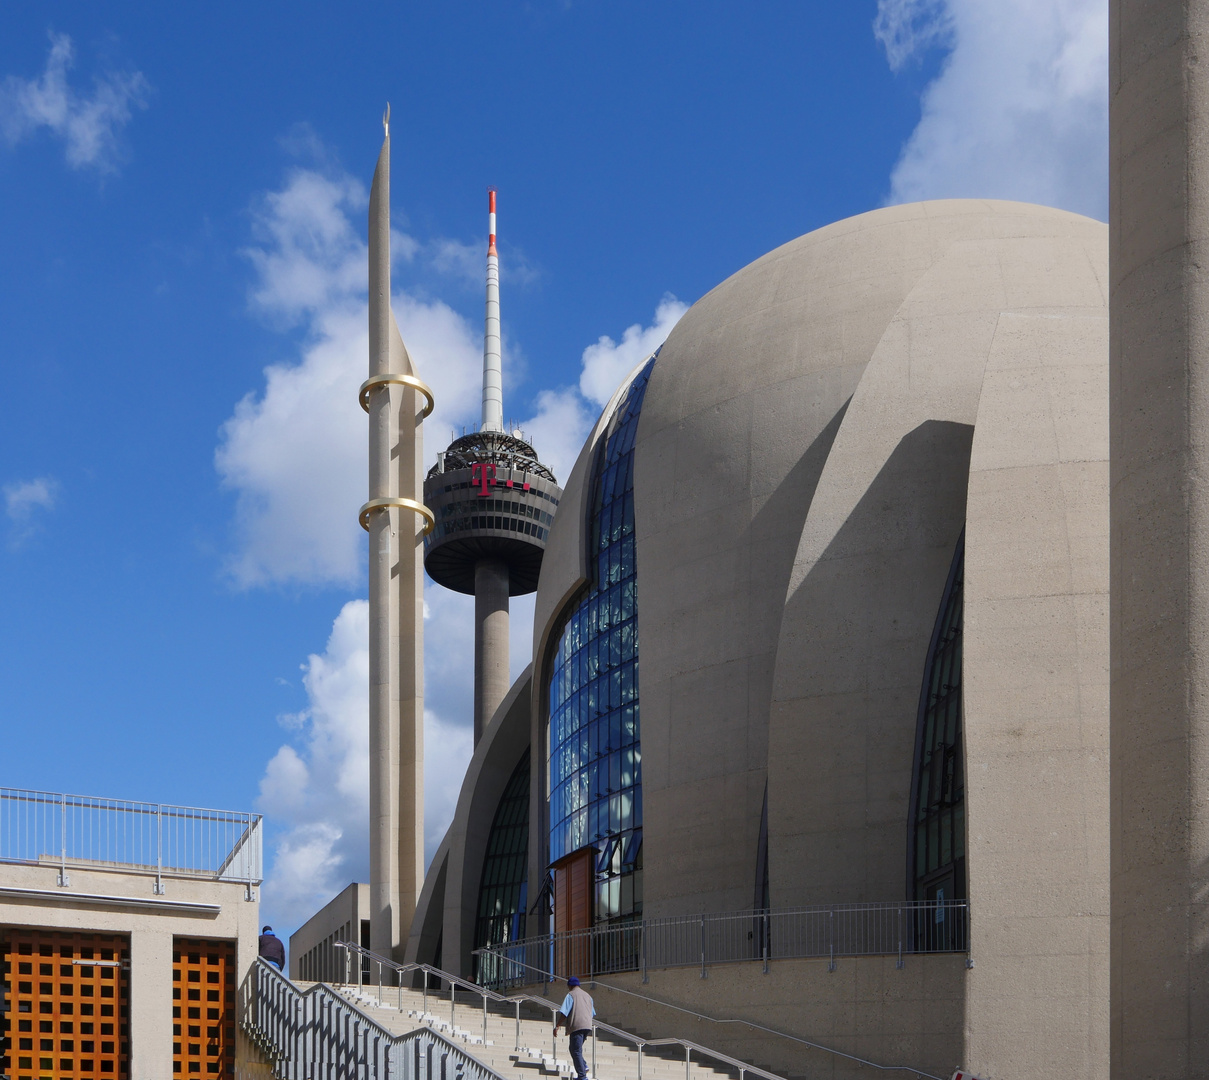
524	1048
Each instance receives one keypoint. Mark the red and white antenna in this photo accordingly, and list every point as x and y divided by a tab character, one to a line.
493	368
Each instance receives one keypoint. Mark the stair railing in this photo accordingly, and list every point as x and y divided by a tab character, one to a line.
318	1034
546	976
743	1068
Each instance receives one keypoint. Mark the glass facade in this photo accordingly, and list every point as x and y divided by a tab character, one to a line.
595	749
938	817
503	889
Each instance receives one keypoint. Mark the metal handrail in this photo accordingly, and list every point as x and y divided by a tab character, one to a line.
318	1032
548	976
901	928
638	1041
129	836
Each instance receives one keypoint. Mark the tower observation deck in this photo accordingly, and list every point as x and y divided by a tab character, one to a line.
493	502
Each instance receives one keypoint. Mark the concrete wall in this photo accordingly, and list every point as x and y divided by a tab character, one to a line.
494	761
338	920
1159	212
868	1007
736	434
190	908
877	544
1035	675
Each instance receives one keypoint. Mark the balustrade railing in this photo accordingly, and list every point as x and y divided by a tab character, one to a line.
901	929
319	1035
66	831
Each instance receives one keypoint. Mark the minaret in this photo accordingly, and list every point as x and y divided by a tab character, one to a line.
397	402
493	502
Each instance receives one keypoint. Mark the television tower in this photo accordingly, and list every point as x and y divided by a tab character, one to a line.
492	502
397	403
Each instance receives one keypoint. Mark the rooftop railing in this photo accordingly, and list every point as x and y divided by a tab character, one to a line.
48	828
830	932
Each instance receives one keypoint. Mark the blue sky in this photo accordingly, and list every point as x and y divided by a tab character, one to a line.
182	213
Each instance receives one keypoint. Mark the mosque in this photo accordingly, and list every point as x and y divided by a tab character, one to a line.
867	702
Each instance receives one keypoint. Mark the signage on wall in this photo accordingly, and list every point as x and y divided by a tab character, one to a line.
961	1074
482	476
482	473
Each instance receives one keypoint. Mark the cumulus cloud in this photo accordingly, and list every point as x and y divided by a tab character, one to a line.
316	787
88	124
294	455
295	452
1019	109
607	362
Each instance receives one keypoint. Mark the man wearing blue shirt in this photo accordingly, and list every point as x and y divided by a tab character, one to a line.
576	1014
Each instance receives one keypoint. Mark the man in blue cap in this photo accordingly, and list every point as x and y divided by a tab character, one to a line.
272	949
576	1014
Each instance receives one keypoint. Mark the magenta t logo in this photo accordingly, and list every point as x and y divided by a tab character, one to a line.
480	477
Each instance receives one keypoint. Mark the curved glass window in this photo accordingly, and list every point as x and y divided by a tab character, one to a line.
937	838
503	887
595	750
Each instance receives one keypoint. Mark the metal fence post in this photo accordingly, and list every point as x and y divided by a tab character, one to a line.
831	937
703	946
901	962
642	948
159	849
63	880
767	932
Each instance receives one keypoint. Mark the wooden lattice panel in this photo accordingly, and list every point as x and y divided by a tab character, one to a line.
203	1008
69	1005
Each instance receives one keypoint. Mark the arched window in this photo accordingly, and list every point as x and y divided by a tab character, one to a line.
503	887
595	750
937	838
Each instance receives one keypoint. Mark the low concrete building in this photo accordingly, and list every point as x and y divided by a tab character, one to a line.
853	519
314	955
126	929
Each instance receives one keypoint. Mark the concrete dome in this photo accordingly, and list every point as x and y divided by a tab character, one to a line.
815	436
816	433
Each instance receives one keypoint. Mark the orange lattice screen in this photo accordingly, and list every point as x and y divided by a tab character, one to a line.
69	1000
203	1007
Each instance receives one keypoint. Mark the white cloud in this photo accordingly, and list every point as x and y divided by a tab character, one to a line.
316	786
294	454
1019	109
607	362
23	497
87	124
907	27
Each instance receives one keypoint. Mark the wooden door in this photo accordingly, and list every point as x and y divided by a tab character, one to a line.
69	1005
573	912
203	1008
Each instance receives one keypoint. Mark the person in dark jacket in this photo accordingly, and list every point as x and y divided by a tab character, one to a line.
272	949
577	1013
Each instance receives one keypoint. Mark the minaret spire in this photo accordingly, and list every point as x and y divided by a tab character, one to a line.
397	402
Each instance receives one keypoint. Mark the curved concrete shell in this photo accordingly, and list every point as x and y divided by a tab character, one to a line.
816	434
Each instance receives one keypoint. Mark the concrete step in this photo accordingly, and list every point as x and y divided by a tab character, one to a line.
402	1010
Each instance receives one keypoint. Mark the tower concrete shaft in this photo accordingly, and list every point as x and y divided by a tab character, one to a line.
1159	427
394	398
491	677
